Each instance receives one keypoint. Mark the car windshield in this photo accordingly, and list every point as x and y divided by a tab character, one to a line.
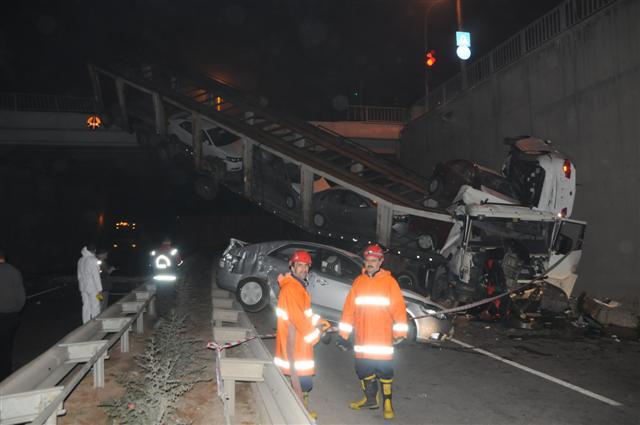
534	236
221	137
497	183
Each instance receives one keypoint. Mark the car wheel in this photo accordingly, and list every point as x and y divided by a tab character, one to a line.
407	280
435	186
252	294
289	201
319	220
207	188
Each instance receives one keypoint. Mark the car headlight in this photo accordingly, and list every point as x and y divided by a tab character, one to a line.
233	159
433	313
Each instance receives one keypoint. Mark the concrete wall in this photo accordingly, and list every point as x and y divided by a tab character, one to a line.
582	91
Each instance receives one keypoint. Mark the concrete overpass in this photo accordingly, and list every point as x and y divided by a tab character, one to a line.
45	120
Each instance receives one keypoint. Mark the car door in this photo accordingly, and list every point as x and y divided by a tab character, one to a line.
330	280
359	214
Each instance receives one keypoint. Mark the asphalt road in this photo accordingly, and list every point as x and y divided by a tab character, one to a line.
453	384
586	375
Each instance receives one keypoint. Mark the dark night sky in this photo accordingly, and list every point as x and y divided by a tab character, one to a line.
300	54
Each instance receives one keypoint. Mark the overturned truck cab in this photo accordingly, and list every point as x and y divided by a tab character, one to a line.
495	248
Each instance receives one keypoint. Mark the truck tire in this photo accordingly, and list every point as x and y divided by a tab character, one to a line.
407	280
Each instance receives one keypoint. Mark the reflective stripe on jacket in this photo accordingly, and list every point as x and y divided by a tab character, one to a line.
294	307
375	311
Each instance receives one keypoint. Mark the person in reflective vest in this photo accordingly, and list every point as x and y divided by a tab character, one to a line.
375	312
298	328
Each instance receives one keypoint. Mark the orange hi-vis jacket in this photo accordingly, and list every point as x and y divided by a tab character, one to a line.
294	307
375	310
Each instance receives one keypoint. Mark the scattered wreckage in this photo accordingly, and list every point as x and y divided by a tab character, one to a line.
511	231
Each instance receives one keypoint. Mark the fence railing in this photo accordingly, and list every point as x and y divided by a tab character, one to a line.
549	26
36	392
44	103
369	113
252	362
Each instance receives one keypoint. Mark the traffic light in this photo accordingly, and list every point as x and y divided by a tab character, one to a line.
430	58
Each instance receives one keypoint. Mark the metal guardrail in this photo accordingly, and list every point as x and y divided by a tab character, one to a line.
561	18
35	394
44	103
368	113
278	403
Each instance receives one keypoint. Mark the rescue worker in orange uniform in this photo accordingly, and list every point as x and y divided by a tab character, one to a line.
375	311
298	329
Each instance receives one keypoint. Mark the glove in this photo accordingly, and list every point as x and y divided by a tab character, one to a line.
343	344
398	340
99	297
324	325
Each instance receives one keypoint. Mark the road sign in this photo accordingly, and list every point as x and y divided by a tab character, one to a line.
463	41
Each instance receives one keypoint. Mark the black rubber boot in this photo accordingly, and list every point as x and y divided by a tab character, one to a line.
370	390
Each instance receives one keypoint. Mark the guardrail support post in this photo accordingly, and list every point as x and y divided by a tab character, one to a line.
160	121
196	141
306	194
26	406
384	222
115	324
247	167
222	302
81	352
97	89
122	102
222	315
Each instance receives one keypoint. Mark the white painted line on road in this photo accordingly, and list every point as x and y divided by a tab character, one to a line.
540	374
44	292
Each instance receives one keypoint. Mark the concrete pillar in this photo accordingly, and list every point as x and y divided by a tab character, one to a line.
122	102
384	222
306	194
159	113
196	142
247	165
97	88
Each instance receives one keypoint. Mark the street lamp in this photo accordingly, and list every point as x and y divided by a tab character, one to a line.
426	49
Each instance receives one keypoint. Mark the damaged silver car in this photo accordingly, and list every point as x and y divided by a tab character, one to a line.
251	270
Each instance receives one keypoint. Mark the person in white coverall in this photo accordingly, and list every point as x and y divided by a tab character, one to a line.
89	283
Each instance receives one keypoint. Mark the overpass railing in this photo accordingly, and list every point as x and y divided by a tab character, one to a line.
44	103
36	392
368	113
564	16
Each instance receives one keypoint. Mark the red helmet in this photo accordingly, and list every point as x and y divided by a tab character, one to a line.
374	250
300	256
